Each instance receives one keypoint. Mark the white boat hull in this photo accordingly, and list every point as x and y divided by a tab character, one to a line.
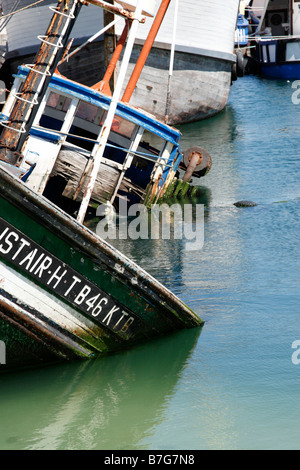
204	45
199	89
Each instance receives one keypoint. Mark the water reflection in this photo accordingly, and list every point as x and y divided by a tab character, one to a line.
111	403
221	129
235	387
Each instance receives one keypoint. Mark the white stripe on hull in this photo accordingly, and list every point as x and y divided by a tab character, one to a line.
31	295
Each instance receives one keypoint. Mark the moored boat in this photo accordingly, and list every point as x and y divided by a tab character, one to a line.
191	60
64	292
275	38
67	294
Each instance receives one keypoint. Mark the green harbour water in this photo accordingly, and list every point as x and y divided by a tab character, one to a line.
233	384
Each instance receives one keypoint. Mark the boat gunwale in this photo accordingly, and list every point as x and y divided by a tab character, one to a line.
52	216
57	342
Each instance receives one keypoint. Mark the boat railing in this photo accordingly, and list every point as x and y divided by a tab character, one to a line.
143	155
100	135
275	38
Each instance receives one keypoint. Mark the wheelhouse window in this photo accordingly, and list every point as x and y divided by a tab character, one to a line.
89	112
150	149
123	127
152	144
59	102
292	51
269	53
55	111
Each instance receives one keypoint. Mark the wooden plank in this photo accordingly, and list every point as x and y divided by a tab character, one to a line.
70	165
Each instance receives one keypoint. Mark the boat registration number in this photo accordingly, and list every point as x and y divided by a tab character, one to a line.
56	276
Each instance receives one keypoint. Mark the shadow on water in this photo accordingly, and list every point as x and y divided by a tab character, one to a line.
109	403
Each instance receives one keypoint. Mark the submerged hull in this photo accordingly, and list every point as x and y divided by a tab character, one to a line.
65	293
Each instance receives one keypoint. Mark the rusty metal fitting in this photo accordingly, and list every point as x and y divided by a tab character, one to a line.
11	157
197	162
194	154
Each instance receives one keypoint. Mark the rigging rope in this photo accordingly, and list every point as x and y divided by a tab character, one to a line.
21	9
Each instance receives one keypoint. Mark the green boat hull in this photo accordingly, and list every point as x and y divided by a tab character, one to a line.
65	293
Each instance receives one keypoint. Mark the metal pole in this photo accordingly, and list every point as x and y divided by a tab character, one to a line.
103	85
171	62
91	39
114	9
106	128
146	50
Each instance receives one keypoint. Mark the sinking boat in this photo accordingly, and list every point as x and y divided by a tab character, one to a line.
64	292
275	38
188	73
68	122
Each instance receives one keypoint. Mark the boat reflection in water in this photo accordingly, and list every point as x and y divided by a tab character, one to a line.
92	400
64	292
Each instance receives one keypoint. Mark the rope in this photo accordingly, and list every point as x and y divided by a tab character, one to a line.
21	9
4	23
